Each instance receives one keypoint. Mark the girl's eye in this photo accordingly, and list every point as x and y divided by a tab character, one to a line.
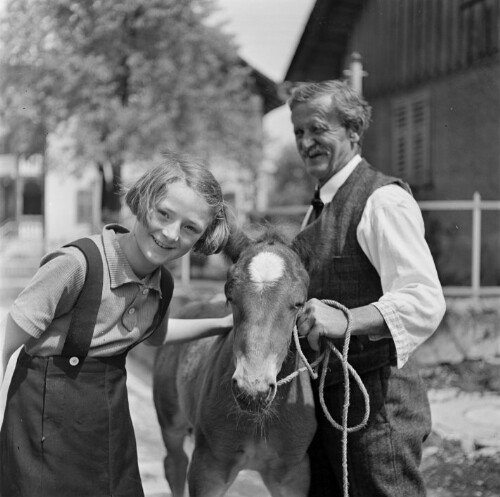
163	214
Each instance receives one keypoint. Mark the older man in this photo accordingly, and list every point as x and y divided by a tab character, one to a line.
374	260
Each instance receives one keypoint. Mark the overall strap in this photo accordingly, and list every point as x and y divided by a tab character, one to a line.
167	290
81	328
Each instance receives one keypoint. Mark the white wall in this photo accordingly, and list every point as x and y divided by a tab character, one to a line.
61	206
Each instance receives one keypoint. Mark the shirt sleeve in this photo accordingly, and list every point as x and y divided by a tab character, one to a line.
391	233
52	292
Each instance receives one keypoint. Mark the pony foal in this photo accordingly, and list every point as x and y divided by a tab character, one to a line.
225	388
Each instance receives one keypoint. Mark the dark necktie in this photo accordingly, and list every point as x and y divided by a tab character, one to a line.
317	204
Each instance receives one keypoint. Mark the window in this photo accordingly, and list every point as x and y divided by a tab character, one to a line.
477	28
410	135
84	207
32	197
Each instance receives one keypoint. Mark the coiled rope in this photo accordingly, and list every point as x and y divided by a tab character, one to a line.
323	359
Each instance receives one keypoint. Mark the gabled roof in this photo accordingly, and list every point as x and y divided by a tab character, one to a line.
268	90
321	49
265	87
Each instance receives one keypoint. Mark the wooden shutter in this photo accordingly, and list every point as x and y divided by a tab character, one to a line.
410	139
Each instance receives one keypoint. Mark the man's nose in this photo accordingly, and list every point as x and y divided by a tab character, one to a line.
307	141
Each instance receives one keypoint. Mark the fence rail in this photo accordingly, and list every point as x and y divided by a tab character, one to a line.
476	206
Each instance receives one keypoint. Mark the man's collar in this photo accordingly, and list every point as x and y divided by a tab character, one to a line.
330	188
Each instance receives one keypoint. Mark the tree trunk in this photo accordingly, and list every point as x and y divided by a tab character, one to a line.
111	192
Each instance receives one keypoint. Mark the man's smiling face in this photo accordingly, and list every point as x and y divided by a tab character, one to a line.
324	144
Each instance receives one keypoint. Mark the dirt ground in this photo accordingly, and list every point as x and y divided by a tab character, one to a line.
449	468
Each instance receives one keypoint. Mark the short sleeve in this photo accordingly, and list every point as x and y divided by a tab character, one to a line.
52	292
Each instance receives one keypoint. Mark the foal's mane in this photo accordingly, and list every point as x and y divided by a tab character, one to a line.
270	234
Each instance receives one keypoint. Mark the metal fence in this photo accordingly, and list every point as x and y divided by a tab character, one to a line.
476	206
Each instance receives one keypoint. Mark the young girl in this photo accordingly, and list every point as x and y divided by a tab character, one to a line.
67	427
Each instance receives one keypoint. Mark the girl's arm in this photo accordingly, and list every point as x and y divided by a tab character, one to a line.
11	339
181	330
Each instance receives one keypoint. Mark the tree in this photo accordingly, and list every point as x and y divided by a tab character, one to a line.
292	184
125	80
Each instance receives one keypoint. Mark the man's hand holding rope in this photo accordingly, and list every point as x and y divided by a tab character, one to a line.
318	319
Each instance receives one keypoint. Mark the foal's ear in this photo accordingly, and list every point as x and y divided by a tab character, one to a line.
307	250
236	243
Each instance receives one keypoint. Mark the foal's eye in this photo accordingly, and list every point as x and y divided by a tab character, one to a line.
298	305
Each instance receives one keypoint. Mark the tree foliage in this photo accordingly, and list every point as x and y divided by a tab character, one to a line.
292	184
124	79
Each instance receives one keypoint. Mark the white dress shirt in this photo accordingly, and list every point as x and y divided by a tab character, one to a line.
391	234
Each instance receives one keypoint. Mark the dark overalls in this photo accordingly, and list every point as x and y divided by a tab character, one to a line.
67	429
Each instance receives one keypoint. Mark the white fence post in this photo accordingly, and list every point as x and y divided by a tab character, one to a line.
476	245
186	269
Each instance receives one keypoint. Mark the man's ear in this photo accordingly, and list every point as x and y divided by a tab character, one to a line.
354	136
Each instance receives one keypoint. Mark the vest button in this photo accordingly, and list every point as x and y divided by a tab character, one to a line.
131	310
74	361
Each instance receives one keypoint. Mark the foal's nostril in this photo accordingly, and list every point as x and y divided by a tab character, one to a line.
234	386
253	401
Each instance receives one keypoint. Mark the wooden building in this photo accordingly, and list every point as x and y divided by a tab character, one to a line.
433	80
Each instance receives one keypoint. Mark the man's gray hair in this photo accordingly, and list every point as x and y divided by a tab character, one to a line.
352	109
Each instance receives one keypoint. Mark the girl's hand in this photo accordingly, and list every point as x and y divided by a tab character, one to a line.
227	322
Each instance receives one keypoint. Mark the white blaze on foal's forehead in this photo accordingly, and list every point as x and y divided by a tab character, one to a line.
266	267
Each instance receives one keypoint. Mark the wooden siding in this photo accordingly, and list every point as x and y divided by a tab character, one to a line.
407	42
463	151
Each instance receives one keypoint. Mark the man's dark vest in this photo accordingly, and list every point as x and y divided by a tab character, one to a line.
343	272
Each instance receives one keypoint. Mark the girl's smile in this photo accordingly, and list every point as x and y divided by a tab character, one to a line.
160	244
